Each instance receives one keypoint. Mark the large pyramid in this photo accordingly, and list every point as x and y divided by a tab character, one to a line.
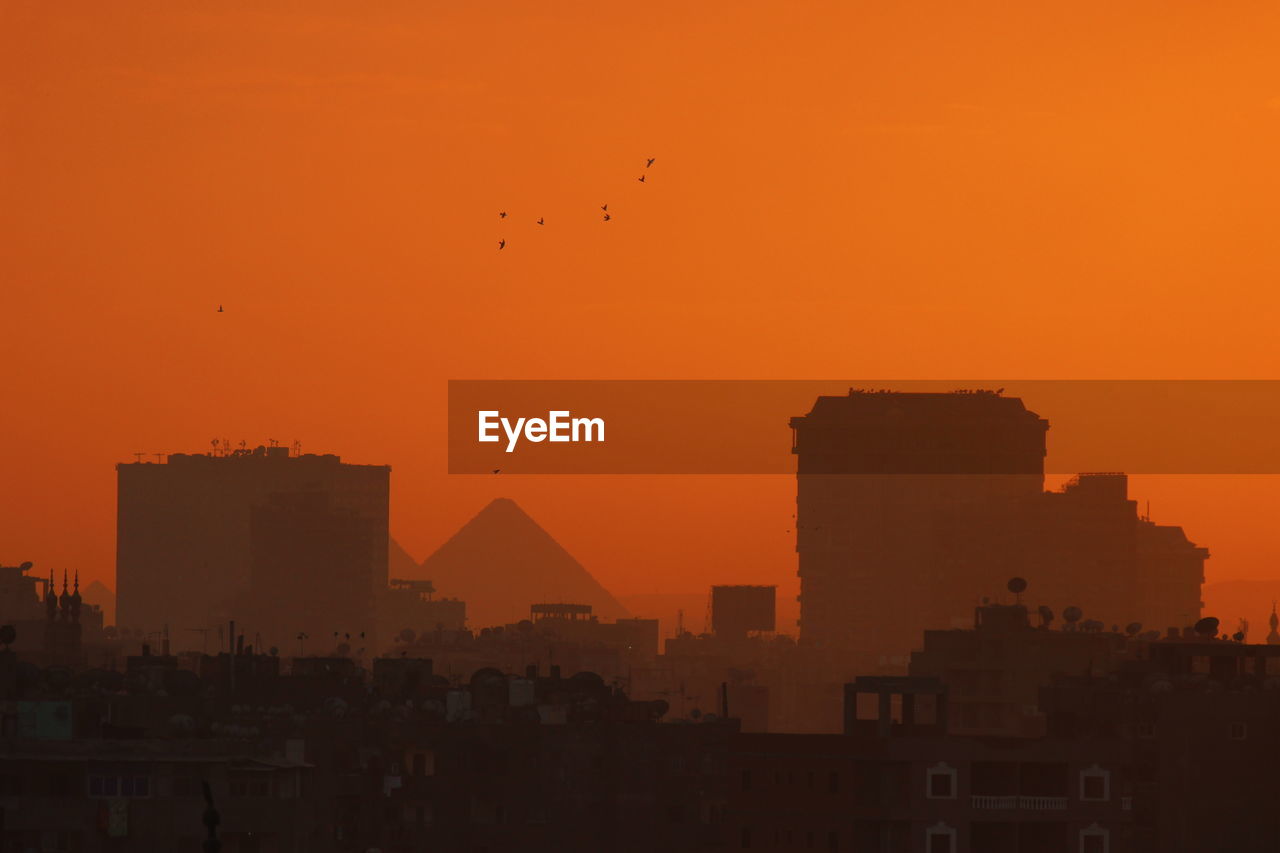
501	561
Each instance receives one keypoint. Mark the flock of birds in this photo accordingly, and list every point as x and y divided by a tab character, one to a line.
607	216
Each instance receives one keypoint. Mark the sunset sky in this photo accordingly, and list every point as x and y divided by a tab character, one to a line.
890	189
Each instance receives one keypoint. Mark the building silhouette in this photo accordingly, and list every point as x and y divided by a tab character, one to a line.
185	531
311	570
911	505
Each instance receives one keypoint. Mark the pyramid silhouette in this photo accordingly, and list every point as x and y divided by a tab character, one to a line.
501	561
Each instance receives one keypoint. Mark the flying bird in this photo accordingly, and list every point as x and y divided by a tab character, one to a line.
641	179
604	207
650	162
502	244
607	217
540	222
502	215
496	470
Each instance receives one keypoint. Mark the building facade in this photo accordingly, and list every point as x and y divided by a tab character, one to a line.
184	530
913	506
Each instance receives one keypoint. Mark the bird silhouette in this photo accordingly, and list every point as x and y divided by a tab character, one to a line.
502	244
219	309
502	215
650	162
540	222
641	179
496	470
607	217
604	207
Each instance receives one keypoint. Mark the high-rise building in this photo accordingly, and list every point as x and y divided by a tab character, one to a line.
185	546
911	507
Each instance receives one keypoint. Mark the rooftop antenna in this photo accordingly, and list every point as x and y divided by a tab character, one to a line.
139	456
680	622
159	457
297	447
1017	586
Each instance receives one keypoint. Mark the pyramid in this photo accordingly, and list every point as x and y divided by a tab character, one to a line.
399	563
98	593
501	561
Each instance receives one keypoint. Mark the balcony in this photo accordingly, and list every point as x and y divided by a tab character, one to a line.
995	802
1014	801
1043	804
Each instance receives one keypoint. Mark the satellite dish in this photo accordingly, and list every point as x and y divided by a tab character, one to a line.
1133	629
1017	585
1207	627
1072	614
26	566
1046	616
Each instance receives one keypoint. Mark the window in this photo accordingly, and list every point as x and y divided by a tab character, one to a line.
940	838
1095	784
1095	839
119	786
248	786
135	786
940	782
104	786
1239	731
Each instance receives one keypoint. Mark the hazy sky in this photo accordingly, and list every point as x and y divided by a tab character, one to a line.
927	190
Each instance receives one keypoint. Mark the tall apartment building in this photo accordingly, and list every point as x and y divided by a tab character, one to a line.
193	532
913	506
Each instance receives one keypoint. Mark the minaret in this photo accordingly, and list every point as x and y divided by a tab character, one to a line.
75	600
65	598
1273	639
50	599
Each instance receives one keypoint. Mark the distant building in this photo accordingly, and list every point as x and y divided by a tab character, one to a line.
411	605
737	610
184	545
311	572
895	781
48	627
911	505
995	670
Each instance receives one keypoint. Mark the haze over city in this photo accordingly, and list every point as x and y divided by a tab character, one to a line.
249	253
839	190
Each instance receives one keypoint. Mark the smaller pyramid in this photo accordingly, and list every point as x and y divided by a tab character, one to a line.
502	561
98	593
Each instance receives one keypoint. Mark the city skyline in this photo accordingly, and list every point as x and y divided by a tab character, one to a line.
1086	219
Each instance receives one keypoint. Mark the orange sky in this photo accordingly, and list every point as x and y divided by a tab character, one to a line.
914	190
